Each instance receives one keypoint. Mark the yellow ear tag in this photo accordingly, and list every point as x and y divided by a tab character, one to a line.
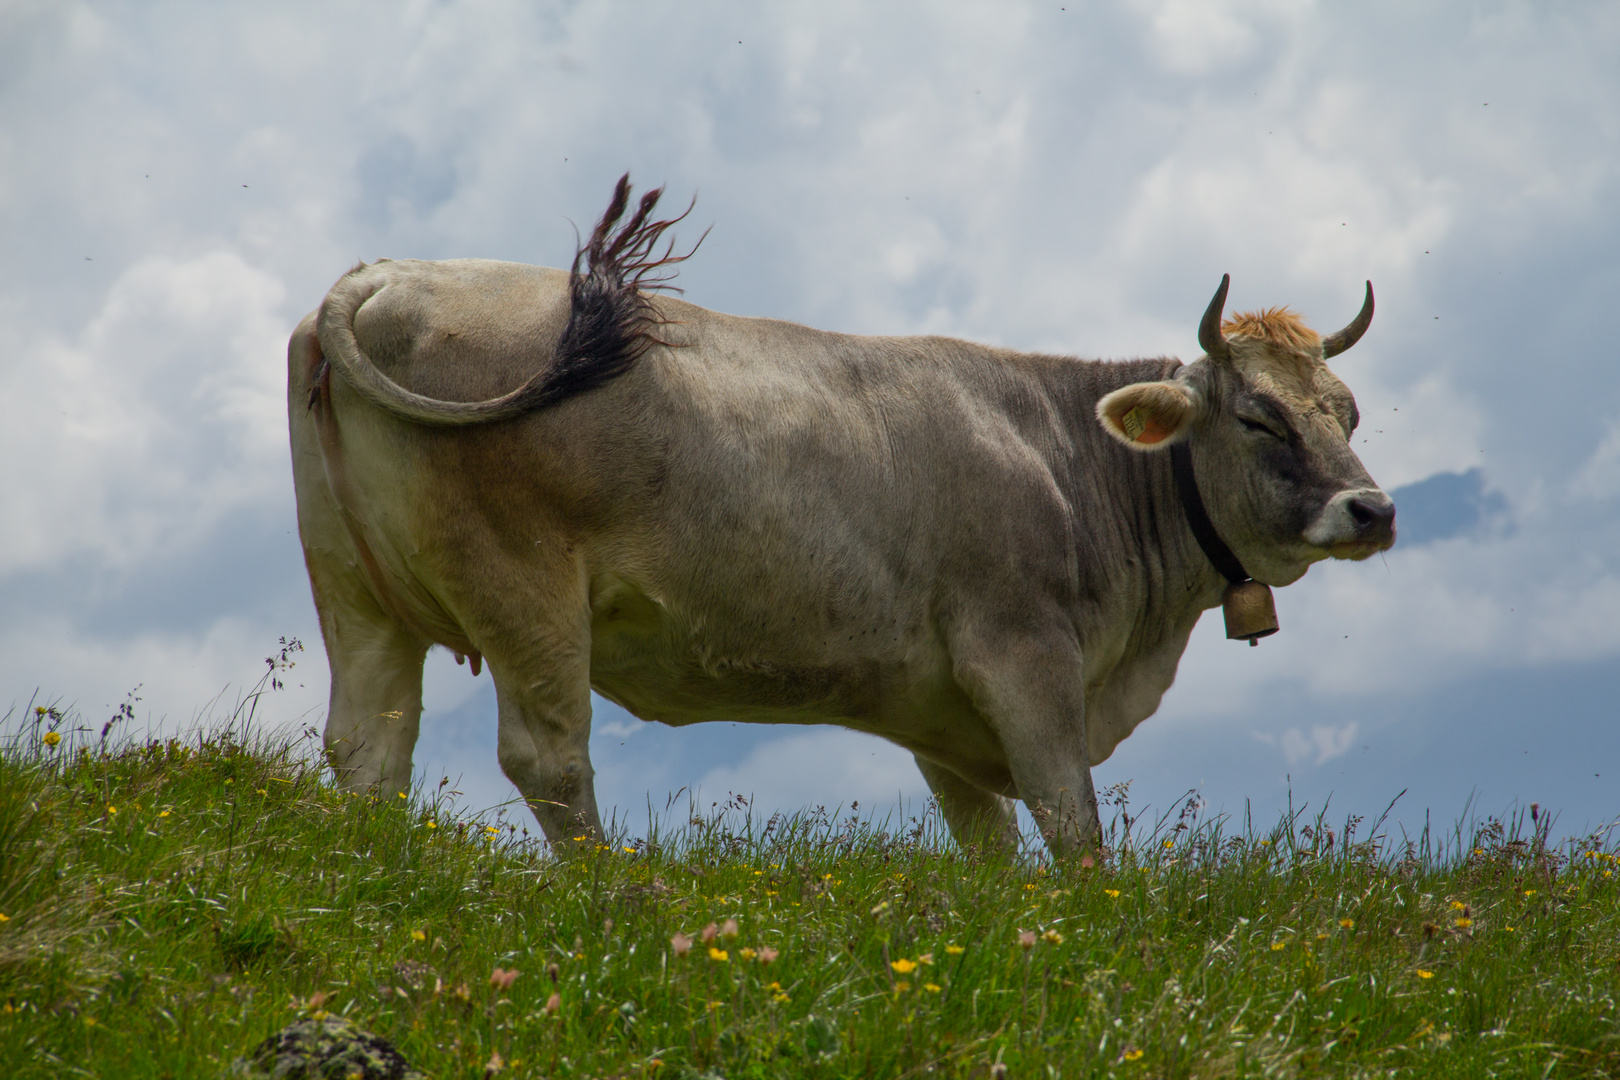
1134	423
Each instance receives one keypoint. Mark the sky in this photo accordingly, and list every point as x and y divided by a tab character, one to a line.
180	183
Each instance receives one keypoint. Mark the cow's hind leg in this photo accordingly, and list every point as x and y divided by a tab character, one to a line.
376	704
544	749
975	816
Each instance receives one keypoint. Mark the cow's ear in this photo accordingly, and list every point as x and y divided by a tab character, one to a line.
1149	415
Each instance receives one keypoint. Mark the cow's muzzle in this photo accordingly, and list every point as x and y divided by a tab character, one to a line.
1355	524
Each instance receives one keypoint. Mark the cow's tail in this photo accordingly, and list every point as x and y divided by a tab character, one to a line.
611	322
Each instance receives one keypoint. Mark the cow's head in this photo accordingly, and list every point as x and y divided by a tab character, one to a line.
1269	427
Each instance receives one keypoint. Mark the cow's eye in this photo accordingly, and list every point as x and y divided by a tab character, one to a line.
1260	427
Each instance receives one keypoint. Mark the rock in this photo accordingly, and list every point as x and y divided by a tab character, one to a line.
329	1048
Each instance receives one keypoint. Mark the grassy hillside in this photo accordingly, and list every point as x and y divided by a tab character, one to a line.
168	905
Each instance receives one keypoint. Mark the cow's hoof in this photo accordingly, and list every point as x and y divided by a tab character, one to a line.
330	1047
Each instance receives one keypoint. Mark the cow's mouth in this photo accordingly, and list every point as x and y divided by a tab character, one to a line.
1356	550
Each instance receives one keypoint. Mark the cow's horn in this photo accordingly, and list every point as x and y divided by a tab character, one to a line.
1210	338
1334	344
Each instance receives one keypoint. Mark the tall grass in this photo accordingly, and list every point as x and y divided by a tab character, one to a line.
171	902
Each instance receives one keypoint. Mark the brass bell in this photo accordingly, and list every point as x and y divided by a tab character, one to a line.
1249	610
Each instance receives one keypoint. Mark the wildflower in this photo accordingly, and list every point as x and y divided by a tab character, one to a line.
903	966
1029	885
163	813
901	987
431	824
495	1063
757	873
1457	905
1026	938
728	929
553	1003
1087	862
713	1005
881	908
1170	842
51	738
709	933
418	935
1529	892
1278	946
490	830
954	950
1111	893
780	998
767	954
1348	924
629	851
111	810
932	988
719	956
4	918
502	979
1052	937
1132	1054
262	791
402	794
1463	924
926	958
745	953
39	710
1425	974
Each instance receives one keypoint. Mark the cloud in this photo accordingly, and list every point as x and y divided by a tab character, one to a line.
1324	743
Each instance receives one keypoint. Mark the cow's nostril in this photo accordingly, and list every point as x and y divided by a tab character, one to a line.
1370	515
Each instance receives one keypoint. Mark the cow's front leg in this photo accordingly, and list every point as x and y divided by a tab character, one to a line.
544	749
975	816
1031	690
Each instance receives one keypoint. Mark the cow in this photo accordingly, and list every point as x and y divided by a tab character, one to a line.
991	558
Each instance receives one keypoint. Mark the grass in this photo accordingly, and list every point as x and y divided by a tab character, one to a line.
170	903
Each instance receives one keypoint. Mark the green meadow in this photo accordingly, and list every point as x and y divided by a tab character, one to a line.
168	904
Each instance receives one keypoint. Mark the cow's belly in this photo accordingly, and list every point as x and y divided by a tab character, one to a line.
666	669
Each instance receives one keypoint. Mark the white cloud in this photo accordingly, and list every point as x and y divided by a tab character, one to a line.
1323	744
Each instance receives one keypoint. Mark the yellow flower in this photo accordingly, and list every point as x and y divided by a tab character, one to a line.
954	950
904	966
1529	892
1052	937
431	824
1457	905
1170	842
1278	946
1465	923
417	935
1133	1055
746	953
402	794
629	851
1111	892
932	988
112	810
262	791
163	813
50	738
1348	924
718	955
780	997
4	917
1425	974
901	987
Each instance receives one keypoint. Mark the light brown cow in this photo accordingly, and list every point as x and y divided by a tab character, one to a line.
972	552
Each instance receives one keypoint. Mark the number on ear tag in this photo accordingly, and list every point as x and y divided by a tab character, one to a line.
1134	423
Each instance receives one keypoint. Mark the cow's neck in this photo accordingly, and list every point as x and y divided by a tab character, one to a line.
1143	579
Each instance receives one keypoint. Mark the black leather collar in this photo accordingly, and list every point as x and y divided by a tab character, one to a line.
1203	529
